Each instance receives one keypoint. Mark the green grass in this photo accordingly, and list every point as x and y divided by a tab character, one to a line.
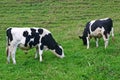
66	20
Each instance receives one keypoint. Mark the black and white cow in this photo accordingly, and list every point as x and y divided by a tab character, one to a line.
27	38
97	29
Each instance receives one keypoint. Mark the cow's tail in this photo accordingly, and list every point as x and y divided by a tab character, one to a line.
8	40
7	50
112	33
7	45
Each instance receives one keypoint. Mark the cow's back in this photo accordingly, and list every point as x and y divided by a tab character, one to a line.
106	23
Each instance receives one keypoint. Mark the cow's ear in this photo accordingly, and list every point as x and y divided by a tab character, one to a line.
80	37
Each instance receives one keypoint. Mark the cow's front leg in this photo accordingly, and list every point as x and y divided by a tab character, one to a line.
88	42
40	52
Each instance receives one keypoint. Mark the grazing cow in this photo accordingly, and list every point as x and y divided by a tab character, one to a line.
97	29
27	38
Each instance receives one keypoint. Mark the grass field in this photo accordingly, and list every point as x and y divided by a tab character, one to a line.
66	20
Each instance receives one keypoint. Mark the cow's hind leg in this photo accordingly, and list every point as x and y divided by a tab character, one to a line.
13	51
40	52
8	54
88	42
112	32
106	39
96	39
37	51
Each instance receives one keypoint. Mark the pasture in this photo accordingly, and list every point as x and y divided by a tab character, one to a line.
66	20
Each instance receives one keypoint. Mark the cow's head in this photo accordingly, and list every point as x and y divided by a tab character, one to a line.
51	44
83	39
58	51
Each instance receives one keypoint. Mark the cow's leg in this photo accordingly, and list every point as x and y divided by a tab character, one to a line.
13	54
108	35
40	52
112	32
8	54
96	39
88	42
37	51
106	43
105	37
